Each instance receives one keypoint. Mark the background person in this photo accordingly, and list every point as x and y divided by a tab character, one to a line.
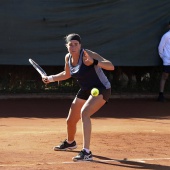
164	52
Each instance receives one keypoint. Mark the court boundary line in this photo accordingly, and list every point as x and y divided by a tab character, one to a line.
152	159
140	160
100	161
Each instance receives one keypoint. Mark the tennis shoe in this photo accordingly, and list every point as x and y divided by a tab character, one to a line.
161	98
65	146
83	156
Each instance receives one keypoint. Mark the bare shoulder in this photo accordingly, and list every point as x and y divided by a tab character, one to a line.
89	51
94	54
67	57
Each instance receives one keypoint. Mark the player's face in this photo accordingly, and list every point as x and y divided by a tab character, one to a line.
73	47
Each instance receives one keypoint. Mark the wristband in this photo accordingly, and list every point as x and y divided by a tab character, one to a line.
95	62
50	79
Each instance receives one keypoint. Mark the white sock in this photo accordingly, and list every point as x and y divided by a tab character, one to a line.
87	150
69	142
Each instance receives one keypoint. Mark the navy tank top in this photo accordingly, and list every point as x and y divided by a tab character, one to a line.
88	77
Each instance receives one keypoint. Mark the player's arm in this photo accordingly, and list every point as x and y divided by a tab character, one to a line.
60	76
161	46
90	57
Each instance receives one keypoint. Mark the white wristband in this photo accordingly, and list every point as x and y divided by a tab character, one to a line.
50	79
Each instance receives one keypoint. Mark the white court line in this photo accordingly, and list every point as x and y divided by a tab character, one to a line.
152	159
72	162
141	160
26	165
16	165
107	160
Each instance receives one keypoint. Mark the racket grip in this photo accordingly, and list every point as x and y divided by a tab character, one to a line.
50	79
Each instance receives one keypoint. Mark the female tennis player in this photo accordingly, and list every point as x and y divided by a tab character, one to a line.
86	67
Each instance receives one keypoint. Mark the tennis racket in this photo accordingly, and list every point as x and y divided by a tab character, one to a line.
38	68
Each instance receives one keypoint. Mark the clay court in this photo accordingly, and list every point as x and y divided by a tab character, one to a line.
127	134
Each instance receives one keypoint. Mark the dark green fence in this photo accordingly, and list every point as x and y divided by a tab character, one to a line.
25	79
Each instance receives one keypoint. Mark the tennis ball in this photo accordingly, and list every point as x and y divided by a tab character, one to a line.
94	92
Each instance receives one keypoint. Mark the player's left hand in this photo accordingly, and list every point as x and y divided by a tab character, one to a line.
87	59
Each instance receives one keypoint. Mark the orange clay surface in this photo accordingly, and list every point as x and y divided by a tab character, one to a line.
127	134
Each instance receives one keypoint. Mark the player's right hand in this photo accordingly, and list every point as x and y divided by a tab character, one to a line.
45	79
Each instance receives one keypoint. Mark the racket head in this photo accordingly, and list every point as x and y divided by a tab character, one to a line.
38	68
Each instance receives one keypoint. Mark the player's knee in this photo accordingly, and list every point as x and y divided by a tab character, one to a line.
165	76
70	122
84	114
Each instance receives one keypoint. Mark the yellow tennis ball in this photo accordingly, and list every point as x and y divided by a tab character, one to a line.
94	92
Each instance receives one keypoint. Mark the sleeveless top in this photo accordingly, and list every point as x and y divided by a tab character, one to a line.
88	77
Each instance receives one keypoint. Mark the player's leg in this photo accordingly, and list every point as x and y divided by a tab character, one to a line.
164	77
92	105
72	119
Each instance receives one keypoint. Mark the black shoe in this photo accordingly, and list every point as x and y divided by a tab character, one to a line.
161	98
83	156
65	146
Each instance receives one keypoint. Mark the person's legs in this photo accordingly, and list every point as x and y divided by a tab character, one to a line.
92	105
72	119
164	77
